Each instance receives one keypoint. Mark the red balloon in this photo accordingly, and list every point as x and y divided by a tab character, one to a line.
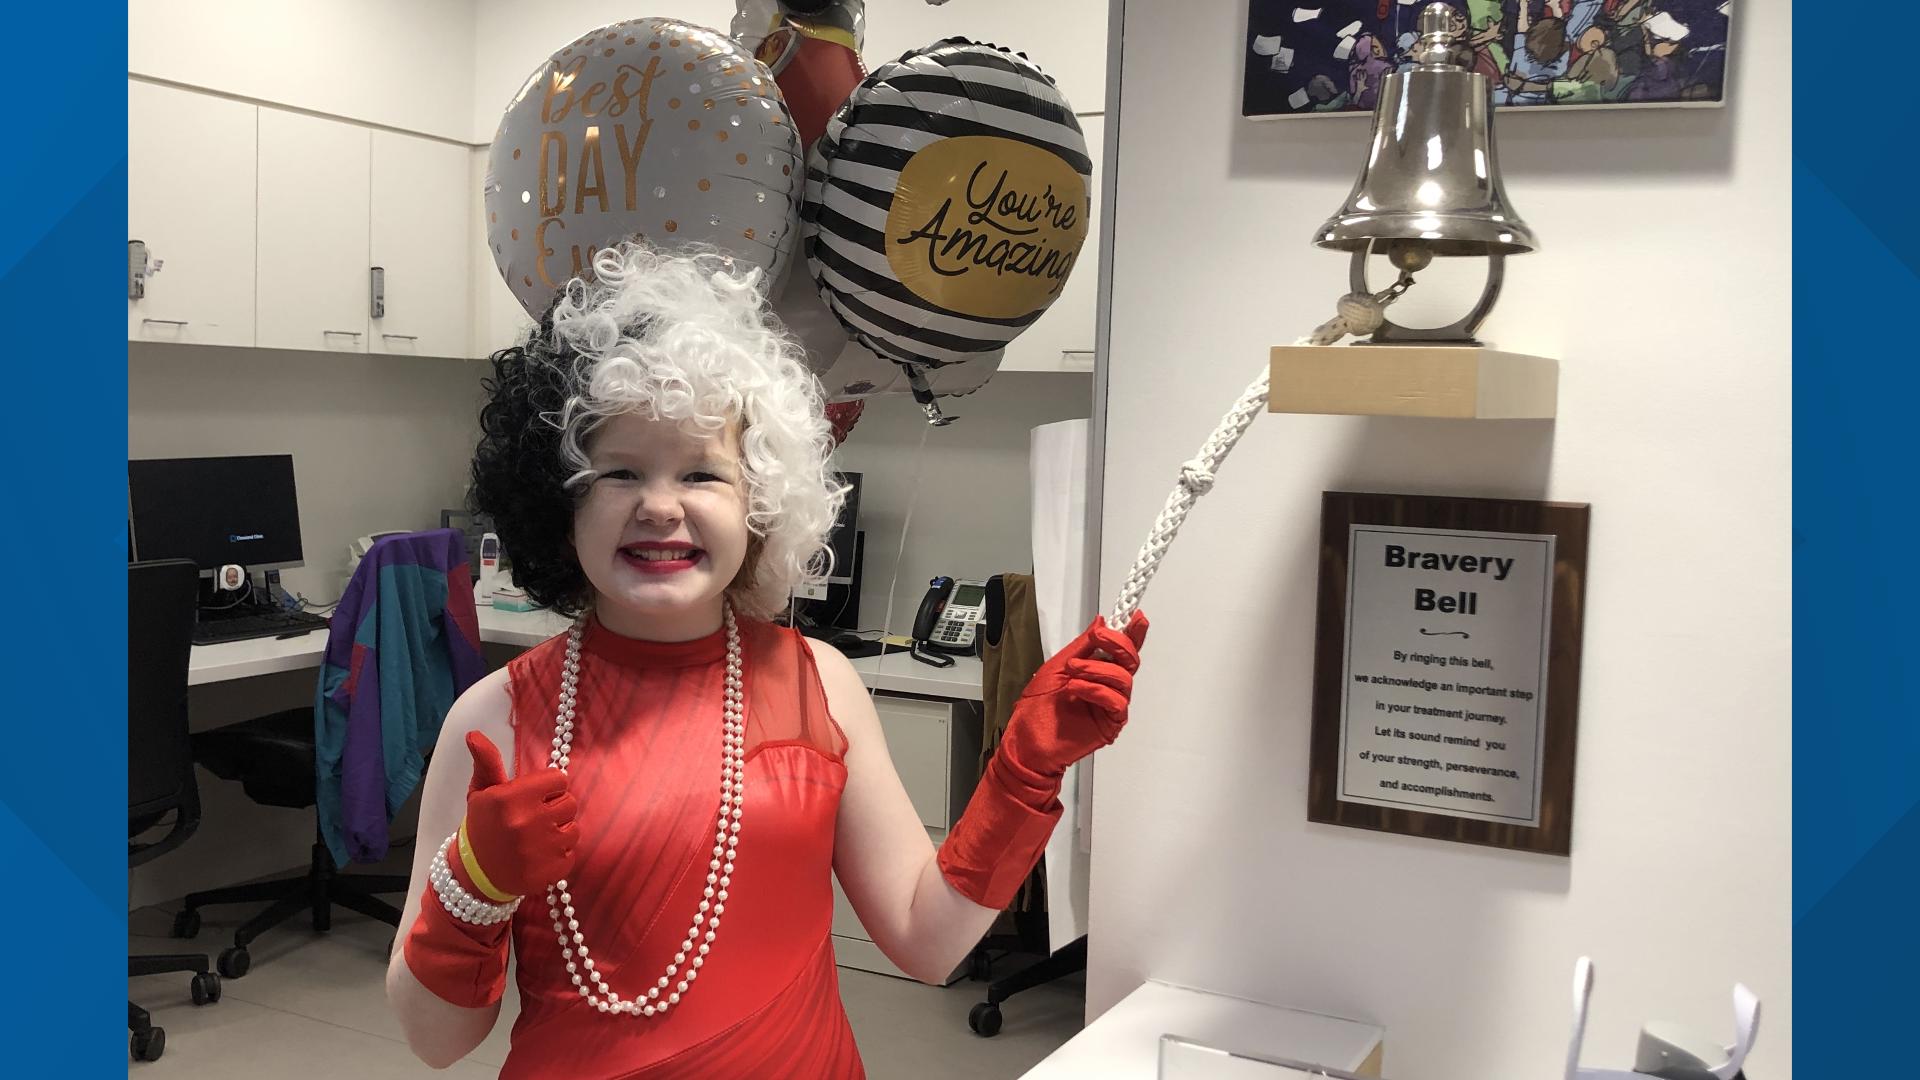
842	415
816	63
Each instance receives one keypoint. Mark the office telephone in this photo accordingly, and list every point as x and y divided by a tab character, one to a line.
949	620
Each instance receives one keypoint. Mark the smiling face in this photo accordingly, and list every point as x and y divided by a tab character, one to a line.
662	531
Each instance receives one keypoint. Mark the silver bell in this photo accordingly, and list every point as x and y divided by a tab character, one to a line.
1431	184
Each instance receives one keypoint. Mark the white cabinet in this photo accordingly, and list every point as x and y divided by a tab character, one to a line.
1062	338
312	269
190	202
418	246
935	747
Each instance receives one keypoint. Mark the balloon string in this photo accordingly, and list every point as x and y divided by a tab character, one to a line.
900	552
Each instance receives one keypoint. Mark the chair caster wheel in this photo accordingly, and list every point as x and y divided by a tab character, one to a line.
234	962
984	1019
206	988
186	924
148	1045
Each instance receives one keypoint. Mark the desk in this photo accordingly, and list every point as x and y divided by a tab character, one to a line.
1124	1044
895	671
264	656
902	674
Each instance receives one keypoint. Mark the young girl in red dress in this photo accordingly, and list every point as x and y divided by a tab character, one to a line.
649	809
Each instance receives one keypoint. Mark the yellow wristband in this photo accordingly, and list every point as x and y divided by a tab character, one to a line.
472	865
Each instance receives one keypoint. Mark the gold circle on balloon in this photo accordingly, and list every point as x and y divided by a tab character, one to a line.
748	233
516	153
706	184
739	159
673	226
673	103
693	125
514	233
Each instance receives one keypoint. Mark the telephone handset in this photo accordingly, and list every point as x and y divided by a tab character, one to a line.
949	620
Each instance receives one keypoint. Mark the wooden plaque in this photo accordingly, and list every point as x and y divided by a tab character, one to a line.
1446	682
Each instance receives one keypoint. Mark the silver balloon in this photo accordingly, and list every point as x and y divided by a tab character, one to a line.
806	316
650	129
858	373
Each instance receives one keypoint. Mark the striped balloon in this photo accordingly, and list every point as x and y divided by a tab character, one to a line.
945	206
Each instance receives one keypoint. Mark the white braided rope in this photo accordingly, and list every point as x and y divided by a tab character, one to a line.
1359	314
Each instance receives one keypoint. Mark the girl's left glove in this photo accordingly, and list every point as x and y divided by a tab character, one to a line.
1075	704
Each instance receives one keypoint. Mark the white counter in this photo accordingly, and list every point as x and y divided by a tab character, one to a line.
901	673
1124	1044
896	671
264	656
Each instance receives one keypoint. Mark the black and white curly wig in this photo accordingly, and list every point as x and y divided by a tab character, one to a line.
683	337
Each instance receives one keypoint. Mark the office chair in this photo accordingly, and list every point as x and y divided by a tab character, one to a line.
274	758
160	780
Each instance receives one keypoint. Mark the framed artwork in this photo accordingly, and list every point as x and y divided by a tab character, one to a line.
1315	57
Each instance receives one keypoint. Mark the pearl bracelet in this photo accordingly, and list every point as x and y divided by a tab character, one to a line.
460	903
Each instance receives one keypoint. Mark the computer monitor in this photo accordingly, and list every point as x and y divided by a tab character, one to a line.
215	510
842	537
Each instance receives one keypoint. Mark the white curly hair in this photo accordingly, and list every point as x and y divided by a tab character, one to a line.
687	336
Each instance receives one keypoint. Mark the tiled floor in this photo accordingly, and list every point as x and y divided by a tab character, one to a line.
314	1006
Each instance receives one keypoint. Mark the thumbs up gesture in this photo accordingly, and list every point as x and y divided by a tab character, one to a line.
519	835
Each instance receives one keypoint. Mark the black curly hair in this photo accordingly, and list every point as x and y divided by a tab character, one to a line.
520	475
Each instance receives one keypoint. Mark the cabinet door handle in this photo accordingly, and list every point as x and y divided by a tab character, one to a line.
136	269
343	333
166	322
379	291
401	337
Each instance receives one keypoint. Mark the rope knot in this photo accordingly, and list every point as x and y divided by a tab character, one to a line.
1362	313
1195	477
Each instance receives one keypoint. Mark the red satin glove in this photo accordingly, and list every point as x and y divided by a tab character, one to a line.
1075	704
520	832
520	836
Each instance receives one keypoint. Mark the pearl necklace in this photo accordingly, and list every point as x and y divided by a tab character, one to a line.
666	992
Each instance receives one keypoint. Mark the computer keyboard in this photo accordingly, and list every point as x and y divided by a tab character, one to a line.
263	625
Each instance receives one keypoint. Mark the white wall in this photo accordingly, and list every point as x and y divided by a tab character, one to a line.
1066	38
1663	287
406	66
972	518
378	442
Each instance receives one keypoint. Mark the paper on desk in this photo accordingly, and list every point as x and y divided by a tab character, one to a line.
1746	1025
1266	44
1344	49
1298	99
1352	29
1305	14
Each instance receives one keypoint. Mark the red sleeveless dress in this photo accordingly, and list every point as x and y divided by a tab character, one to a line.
645	766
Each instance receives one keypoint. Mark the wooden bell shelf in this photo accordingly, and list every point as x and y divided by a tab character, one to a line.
1458	382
